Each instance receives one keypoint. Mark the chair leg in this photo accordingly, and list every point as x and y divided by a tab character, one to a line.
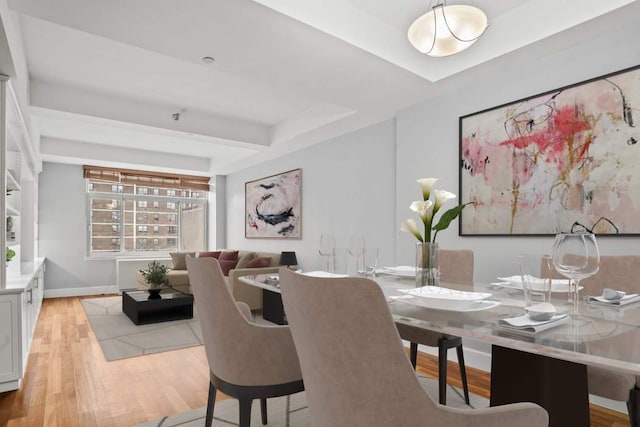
263	410
463	373
633	405
442	370
211	401
245	412
413	354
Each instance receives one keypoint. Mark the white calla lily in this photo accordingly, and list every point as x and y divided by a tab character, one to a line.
427	185
424	208
410	226
441	196
427	210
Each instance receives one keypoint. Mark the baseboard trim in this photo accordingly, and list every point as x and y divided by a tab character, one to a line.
76	292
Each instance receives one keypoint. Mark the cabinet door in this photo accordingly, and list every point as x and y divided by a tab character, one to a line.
9	338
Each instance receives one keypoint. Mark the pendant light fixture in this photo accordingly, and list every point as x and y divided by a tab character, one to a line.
446	30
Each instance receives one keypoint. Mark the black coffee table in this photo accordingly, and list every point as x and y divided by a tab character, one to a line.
169	306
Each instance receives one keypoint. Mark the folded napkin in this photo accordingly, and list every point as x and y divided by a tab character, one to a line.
627	299
527	325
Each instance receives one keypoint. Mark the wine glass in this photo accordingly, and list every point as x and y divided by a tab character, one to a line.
356	250
327	245
576	256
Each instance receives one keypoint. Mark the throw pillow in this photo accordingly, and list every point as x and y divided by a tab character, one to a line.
227	265
259	262
215	254
228	256
178	259
242	262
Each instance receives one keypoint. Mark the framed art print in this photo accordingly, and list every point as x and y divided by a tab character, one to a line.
273	206
566	159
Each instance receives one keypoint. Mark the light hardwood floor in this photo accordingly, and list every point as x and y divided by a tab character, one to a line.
68	382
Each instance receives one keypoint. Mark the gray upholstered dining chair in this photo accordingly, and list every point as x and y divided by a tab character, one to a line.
619	272
247	361
355	368
456	266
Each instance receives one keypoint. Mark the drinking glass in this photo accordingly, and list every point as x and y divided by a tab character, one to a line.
576	256
339	261
370	262
356	250
327	245
535	272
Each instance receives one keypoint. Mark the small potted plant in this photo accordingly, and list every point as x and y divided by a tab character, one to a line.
9	254
156	277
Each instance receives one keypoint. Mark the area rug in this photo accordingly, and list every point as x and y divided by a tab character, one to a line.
120	338
226	411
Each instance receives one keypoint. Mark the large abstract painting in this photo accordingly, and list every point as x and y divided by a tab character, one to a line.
273	206
568	158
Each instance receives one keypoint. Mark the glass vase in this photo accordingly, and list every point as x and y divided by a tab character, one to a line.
427	271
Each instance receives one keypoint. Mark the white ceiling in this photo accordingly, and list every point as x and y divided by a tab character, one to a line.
106	77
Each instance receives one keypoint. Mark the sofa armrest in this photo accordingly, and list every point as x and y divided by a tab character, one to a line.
251	295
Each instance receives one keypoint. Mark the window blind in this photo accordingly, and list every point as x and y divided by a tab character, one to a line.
145	178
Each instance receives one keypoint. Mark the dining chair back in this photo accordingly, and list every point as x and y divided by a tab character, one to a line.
247	361
456	266
355	369
620	272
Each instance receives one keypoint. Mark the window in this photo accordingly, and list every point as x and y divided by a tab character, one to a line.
120	221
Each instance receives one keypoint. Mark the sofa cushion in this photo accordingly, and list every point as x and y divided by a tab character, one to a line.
178	277
245	259
227	265
214	254
259	262
178	259
274	257
228	256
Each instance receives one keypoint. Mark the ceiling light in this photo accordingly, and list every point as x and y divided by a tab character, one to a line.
447	30
208	59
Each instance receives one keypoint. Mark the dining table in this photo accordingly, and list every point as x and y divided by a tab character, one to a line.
549	366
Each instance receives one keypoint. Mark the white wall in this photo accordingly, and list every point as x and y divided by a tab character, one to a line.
348	185
427	137
63	235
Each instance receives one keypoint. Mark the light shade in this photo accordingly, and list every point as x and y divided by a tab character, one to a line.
288	259
447	30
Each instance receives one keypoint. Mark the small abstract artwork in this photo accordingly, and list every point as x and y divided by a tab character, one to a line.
273	206
566	159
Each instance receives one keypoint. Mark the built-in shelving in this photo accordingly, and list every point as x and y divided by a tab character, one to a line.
22	278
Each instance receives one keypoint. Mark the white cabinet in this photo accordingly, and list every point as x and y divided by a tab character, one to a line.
19	310
9	339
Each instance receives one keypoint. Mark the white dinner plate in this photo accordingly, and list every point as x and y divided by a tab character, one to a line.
324	274
445	298
433	305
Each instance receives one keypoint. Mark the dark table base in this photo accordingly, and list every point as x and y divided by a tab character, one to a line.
557	385
272	308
